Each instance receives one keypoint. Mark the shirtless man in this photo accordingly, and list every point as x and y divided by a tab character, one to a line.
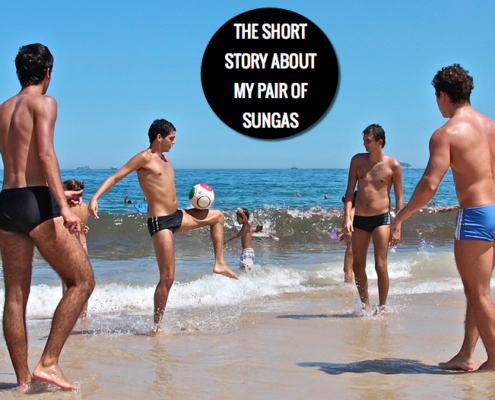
157	180
466	144
375	173
34	212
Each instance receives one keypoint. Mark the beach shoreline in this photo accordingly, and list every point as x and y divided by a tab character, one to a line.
283	349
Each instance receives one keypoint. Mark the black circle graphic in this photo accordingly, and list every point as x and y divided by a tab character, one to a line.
269	73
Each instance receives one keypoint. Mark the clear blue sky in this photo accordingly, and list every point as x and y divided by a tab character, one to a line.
121	64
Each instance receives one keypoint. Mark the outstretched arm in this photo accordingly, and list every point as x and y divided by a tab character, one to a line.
399	202
437	167
235	236
136	162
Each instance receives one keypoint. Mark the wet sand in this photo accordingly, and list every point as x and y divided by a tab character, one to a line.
289	349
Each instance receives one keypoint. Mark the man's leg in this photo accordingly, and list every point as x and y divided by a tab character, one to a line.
163	242
380	237
360	242
66	256
474	261
195	218
17	256
464	360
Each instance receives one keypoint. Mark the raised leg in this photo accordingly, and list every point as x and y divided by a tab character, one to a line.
66	256
380	237
163	242
214	219
474	261
360	244
17	255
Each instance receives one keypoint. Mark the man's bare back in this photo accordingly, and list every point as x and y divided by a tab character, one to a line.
471	139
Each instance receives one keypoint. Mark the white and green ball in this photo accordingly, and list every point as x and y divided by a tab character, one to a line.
201	196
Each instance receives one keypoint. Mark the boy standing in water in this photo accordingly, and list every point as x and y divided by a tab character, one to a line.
157	180
246	235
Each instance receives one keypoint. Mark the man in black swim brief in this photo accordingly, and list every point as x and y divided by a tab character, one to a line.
375	174
34	212
172	222
157	181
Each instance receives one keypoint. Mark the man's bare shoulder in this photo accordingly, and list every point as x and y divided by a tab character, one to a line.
360	157
392	162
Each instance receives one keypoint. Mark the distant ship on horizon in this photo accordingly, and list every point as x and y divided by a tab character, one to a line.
293	167
86	168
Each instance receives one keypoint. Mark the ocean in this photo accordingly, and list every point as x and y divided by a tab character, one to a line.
290	328
303	261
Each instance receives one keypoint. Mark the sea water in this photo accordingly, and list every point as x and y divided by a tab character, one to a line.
304	261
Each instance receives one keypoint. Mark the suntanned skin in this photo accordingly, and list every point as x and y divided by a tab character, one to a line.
466	143
157	180
27	124
246	232
375	173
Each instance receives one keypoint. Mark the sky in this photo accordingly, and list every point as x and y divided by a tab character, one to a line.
120	65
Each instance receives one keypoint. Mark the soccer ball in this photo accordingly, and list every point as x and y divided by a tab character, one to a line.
201	196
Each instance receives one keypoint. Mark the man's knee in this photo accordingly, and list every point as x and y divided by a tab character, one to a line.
217	216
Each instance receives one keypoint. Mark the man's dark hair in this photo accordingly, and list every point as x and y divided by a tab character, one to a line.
246	212
455	81
32	62
376	131
160	127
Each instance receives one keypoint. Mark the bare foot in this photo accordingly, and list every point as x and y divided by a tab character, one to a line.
378	310
157	330
458	363
222	269
487	366
53	374
33	387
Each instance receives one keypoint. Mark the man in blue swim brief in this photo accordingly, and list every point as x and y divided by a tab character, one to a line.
466	144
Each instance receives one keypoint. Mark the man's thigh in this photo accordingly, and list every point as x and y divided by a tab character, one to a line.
62	250
475	260
163	243
381	236
17	256
194	218
360	243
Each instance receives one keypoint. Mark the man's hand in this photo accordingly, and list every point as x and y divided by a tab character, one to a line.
71	221
394	238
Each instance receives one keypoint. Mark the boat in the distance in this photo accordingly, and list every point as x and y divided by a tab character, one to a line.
86	168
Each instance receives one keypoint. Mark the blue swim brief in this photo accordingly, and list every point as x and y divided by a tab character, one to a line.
475	223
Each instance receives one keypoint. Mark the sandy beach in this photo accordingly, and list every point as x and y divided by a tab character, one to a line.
301	348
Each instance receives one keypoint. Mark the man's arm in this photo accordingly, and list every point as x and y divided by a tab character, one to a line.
349	196
45	116
136	162
399	201
437	167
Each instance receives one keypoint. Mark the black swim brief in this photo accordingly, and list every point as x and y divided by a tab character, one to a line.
368	224
23	209
172	222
